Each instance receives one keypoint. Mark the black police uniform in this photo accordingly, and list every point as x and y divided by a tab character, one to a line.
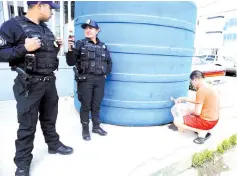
93	63
34	88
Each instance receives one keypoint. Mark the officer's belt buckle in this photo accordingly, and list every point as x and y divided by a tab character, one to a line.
46	78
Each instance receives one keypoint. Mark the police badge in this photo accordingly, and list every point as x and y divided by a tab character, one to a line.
55	44
88	21
2	41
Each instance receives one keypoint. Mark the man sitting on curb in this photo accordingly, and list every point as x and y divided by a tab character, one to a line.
205	115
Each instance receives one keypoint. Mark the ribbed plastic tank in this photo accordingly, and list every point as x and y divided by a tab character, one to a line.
151	45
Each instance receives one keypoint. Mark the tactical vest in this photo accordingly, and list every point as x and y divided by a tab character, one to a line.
46	56
93	59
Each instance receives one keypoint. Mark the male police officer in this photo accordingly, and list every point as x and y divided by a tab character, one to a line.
93	63
31	49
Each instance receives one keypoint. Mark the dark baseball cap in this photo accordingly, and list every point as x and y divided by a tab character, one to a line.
50	3
91	23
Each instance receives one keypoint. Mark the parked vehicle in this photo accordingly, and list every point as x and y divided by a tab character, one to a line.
229	63
213	74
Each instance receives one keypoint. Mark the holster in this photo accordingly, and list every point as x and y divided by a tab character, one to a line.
26	84
24	79
78	77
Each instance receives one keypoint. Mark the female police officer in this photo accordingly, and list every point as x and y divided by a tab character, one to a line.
92	60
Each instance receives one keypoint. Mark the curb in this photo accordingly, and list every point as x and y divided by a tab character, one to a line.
175	163
227	157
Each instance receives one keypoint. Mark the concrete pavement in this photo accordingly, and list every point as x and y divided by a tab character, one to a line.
126	151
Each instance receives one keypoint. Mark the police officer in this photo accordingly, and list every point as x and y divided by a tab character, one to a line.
31	49
93	63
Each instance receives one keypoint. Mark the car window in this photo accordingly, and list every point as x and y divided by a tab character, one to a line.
210	58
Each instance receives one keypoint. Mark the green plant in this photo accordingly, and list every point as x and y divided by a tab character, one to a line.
208	154
220	149
197	160
233	140
226	144
200	158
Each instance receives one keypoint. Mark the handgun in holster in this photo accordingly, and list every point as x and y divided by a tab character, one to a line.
24	78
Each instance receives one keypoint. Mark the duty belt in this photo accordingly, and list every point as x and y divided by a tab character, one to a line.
42	78
27	79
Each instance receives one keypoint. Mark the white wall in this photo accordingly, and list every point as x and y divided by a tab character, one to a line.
209	35
210	8
66	29
1	13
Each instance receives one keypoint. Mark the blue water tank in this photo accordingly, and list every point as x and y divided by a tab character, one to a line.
151	45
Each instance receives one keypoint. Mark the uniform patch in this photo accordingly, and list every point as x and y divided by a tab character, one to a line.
88	21
55	44
2	41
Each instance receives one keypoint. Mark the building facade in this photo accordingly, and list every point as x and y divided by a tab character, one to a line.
212	17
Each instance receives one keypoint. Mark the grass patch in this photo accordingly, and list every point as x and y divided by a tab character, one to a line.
207	155
233	140
200	158
210	162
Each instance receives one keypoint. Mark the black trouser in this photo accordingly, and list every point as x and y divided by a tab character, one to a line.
43	99
90	94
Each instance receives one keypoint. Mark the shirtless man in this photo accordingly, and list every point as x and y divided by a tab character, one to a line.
205	115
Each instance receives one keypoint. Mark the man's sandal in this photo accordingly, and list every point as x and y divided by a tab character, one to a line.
201	140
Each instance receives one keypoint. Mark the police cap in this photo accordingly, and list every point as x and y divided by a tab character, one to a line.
50	3
90	23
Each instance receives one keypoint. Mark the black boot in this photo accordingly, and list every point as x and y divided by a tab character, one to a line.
99	130
63	150
22	171
85	131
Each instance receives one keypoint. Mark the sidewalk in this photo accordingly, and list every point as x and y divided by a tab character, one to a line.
126	151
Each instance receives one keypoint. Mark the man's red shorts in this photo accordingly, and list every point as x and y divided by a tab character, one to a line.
198	122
